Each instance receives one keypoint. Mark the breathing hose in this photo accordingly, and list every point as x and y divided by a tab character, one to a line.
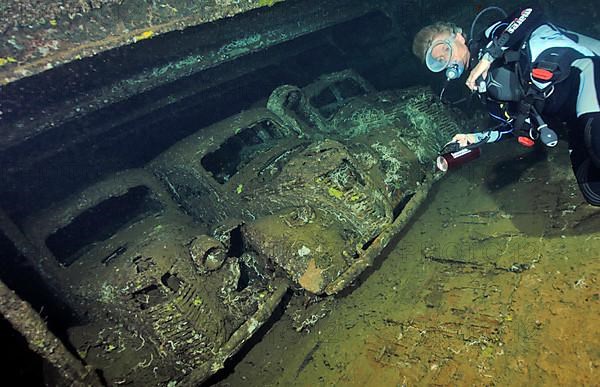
492	8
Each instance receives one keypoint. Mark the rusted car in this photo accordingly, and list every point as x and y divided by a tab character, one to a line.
157	299
321	180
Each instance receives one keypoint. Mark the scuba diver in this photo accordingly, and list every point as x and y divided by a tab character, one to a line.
526	69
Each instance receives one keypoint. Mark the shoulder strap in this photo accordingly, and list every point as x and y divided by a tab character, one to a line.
519	26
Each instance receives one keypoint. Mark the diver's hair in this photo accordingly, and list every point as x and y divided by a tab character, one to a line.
424	37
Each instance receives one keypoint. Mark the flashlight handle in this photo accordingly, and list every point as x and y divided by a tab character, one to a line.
452	160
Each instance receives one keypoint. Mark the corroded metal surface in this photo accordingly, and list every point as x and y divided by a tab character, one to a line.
206	177
37	38
363	201
325	207
129	61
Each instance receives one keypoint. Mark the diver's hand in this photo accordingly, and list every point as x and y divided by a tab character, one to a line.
480	70
464	139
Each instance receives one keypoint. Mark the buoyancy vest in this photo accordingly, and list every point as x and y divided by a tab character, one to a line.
526	76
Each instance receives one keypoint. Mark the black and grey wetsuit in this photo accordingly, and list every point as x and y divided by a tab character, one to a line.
574	100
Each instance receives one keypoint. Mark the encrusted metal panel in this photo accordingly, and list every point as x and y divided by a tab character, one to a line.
197	189
146	61
37	38
337	203
325	209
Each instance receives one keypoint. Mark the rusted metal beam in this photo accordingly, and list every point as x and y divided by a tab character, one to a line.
42	341
35	105
37	38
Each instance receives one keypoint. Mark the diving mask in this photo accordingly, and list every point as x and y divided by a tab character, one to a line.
439	58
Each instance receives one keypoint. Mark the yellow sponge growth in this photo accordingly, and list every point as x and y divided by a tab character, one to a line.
335	193
267	3
143	35
8	59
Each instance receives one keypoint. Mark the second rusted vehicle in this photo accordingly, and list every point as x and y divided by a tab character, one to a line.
156	299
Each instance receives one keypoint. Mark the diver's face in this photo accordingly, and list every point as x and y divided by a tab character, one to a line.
442	52
456	52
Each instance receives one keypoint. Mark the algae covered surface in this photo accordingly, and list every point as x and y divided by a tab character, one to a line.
494	283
